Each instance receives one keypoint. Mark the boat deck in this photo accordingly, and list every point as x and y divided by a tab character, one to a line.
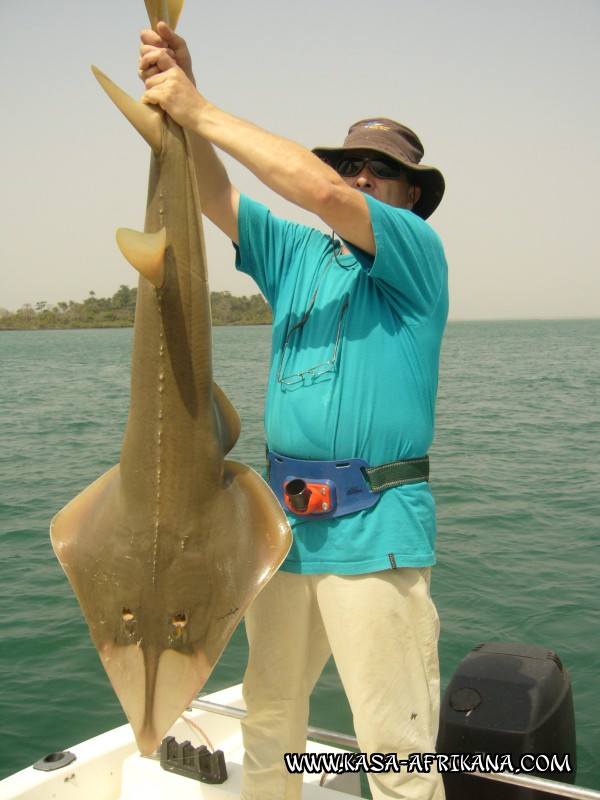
109	766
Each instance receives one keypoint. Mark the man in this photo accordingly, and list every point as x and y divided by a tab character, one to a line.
358	323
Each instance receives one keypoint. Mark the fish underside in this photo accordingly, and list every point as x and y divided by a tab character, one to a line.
167	549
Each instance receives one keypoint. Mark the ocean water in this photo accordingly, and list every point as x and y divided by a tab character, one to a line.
515	469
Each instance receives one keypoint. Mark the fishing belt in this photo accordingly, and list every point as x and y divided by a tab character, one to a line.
324	489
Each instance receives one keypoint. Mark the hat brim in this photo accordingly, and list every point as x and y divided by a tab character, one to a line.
429	179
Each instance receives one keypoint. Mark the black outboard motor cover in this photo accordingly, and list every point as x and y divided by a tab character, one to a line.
511	699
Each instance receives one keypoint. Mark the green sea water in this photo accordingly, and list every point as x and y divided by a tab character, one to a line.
515	469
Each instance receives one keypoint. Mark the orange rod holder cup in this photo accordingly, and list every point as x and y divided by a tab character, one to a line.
307	498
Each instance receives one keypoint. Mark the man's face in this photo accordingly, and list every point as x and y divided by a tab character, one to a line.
396	192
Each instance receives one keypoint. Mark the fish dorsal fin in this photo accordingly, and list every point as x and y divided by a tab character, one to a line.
164	10
145	252
146	119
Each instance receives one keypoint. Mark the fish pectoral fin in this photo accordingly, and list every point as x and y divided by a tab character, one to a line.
263	536
67	525
145	252
148	120
156	12
228	420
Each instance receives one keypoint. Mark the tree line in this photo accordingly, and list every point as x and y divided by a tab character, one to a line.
118	311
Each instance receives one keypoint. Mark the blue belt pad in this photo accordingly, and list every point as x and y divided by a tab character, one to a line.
350	490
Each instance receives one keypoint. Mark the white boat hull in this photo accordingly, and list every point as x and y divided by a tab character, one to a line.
109	766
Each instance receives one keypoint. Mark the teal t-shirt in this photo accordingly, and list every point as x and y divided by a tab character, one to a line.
369	356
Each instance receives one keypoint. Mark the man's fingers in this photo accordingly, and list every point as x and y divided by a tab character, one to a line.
155	80
147	51
162	37
144	74
150	37
175	42
148	48
158	90
167	34
159	58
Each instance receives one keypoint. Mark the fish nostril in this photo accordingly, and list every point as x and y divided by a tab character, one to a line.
179	620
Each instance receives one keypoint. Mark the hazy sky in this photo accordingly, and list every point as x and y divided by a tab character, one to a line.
504	95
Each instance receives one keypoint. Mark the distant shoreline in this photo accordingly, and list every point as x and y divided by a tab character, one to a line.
118	311
117	327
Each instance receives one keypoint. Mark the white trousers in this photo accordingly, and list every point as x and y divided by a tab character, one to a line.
382	629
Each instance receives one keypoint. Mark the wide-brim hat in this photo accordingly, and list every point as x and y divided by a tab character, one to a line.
400	143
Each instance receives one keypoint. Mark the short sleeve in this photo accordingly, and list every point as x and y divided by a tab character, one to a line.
409	264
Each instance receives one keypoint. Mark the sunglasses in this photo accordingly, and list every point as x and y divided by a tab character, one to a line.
380	166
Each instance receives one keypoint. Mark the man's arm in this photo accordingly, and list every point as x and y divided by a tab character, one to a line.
219	199
286	167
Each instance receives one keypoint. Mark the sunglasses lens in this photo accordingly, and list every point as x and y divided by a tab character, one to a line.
386	168
349	167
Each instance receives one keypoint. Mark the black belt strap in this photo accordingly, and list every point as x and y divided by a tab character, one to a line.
397	473
394	473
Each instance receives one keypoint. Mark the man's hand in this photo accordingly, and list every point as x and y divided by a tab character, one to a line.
169	87
165	66
164	39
